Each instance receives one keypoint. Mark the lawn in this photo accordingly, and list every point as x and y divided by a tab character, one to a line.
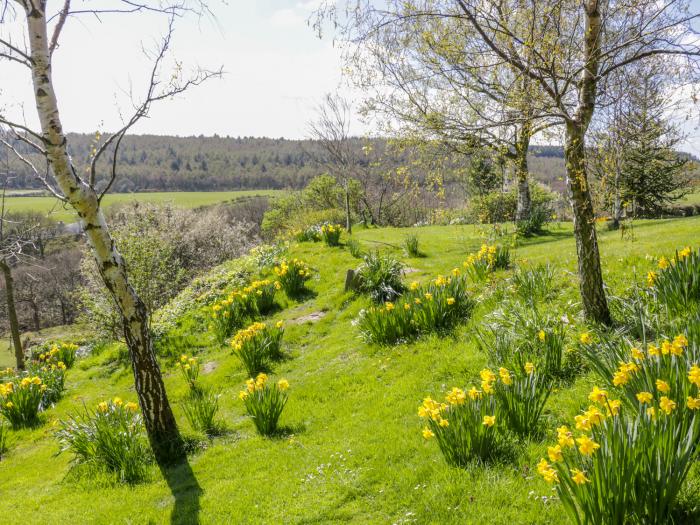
352	451
189	199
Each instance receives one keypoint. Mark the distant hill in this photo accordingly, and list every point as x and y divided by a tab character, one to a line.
166	163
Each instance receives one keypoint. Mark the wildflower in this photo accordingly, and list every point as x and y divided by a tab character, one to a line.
279	324
666	348
565	437
685	252
651	278
694	375
594	415
489	421
9	404
680	340
667	405
417	300
450	301
102	407
487	375
637	353
644	397
407	306
651	412
414	286
283	384
117	401
529	368
585	338
541	335
131	406
474	393
554	453
443	423
587	446
579	476
621	377
597	395
662	386
389	307
429	296
427	433
663	263
613	407
456	396
653	350
505	376
693	403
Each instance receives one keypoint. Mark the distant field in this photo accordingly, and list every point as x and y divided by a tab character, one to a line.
189	199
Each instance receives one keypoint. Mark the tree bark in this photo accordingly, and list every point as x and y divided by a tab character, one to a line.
591	287
158	417
12	315
348	219
522	211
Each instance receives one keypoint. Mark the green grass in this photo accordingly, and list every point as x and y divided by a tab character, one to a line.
353	452
189	199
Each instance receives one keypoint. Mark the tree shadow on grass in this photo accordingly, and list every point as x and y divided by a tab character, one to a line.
186	490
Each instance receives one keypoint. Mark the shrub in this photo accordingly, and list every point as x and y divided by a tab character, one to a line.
521	397
292	276
379	276
331	234
410	244
534	284
628	465
264	402
676	284
20	400
466	427
540	214
354	247
189	369
110	437
200	407
257	346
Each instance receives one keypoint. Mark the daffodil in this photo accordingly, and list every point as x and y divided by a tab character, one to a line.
579	476
586	445
489	421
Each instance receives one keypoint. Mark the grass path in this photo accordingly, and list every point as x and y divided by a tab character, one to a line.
353	452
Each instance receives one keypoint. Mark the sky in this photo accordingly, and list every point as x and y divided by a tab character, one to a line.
276	72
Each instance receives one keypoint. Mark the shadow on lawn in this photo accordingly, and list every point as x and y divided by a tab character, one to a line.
186	490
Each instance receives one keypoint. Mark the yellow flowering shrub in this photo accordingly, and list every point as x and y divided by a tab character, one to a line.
264	401
258	345
292	275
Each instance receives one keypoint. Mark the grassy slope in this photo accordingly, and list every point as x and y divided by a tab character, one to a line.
189	199
356	454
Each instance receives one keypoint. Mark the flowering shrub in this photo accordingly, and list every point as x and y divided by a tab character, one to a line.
439	305
20	400
521	397
109	437
258	345
189	368
264	402
292	276
331	234
379	276
466	427
676	283
632	454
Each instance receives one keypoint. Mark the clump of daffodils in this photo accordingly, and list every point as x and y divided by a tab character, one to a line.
58	353
189	368
489	258
292	275
264	401
331	234
258	345
629	451
675	283
21	400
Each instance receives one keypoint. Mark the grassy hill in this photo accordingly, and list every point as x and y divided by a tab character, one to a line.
352	450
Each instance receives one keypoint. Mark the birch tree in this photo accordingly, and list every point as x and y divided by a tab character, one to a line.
83	188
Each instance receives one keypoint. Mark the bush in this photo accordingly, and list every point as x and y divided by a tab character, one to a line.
331	234
292	276
466	427
676	284
110	437
379	276
257	346
20	400
440	305
200	408
410	244
535	283
264	402
520	398
497	207
354	247
540	214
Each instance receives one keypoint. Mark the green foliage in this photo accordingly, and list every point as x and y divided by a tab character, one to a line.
676	285
200	407
541	213
264	402
4	432
379	276
521	397
110	437
465	428
292	275
53	377
331	234
189	369
497	207
257	346
534	284
20	400
54	353
354	247
410	244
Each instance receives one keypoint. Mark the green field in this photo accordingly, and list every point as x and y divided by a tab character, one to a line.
353	451
190	199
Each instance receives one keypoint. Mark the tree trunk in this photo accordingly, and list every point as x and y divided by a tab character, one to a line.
35	315
158	417
522	211
595	304
12	314
348	220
